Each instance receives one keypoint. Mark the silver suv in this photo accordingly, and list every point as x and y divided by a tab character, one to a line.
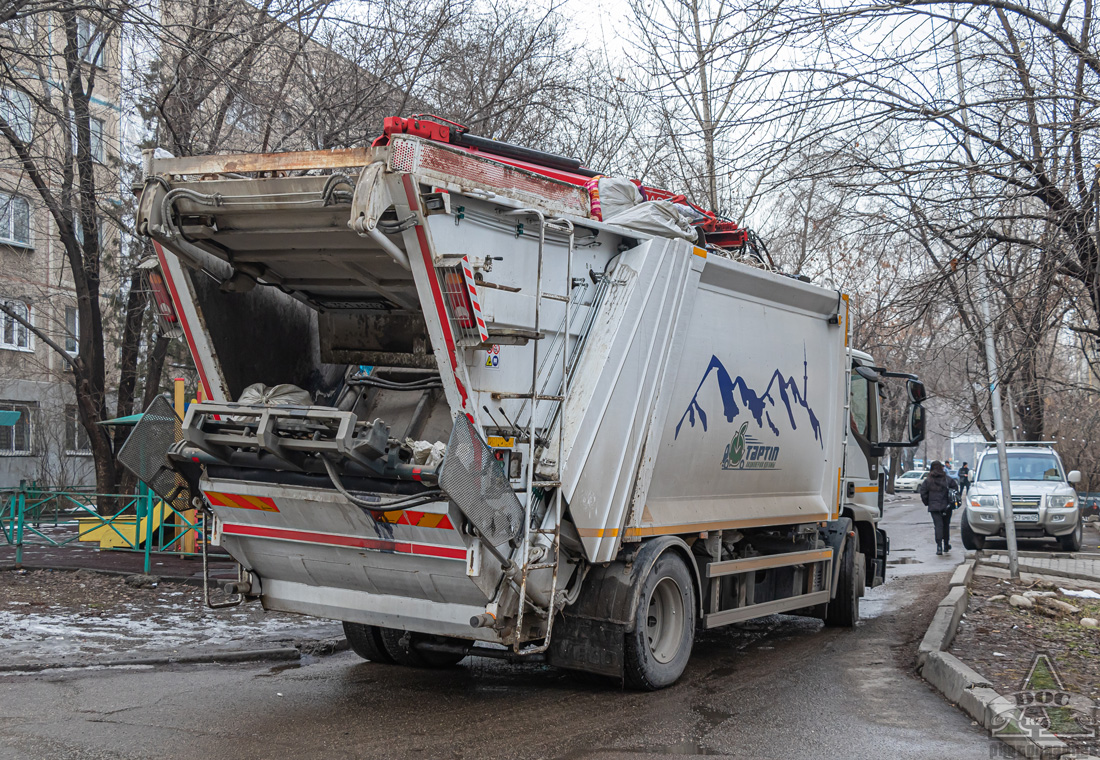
1044	502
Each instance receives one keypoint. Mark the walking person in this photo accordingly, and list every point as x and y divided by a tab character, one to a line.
935	493
964	479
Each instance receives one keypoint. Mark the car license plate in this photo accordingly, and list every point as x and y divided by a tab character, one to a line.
1026	518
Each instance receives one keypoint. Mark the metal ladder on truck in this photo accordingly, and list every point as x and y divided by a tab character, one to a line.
531	533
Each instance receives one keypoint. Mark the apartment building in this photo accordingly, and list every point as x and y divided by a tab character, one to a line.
48	444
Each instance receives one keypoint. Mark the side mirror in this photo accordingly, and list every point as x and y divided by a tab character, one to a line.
916	421
868	374
917	394
1074	476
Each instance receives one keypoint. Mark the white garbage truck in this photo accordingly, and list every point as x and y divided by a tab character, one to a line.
471	398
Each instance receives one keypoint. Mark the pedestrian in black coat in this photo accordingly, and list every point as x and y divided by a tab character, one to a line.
964	478
935	492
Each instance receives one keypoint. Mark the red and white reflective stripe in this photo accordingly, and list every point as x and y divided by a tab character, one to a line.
177	302
468	271
437	297
337	539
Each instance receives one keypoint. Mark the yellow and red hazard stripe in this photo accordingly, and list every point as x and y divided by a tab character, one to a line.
241	501
415	519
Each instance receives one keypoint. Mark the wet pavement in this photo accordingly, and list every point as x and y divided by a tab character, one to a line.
782	687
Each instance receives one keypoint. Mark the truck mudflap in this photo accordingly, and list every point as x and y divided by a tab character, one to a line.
836	536
882	553
589	634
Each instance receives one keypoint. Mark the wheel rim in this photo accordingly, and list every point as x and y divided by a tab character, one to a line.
665	621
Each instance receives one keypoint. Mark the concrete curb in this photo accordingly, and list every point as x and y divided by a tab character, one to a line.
248	655
964	686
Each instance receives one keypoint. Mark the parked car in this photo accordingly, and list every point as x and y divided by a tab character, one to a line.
1090	505
1044	502
909	481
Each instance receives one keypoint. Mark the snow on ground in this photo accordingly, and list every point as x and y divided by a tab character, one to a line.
50	616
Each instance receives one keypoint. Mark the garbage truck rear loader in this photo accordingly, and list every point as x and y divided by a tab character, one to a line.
549	414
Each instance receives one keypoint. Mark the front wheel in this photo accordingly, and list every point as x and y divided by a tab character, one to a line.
971	540
1071	542
843	610
658	648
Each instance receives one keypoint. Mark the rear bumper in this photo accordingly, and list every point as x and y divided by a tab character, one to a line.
355	606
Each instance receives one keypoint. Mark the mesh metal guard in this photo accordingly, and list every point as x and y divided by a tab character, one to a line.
474	479
144	452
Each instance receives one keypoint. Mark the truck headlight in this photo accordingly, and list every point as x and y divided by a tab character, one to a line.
984	501
1060	502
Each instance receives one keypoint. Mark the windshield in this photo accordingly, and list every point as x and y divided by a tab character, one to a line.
1022	467
913	474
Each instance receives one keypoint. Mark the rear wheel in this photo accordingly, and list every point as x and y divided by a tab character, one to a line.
401	647
843	610
658	648
1071	542
366	641
971	540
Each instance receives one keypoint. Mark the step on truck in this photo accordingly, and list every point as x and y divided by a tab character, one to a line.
472	398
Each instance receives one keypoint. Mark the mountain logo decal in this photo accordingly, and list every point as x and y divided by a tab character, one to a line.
738	395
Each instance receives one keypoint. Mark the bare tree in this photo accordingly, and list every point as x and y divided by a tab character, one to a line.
53	149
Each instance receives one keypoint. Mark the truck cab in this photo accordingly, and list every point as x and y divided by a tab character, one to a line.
864	477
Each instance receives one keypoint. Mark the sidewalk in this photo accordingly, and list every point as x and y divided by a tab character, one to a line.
998	648
1081	566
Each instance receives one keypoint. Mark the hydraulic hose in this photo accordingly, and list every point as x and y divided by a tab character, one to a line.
377	382
399	505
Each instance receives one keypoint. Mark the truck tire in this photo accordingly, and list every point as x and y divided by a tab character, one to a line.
843	610
657	650
402	649
1071	542
366	641
971	540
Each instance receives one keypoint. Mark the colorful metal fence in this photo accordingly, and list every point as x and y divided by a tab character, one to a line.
33	516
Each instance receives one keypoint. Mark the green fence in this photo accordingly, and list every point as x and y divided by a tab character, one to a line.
33	516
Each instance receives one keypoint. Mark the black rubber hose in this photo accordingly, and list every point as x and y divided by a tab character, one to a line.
401	504
553	160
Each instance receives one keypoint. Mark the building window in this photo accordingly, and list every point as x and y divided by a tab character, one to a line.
72	330
76	437
89	40
20	26
242	115
15	440
78	231
15	219
95	139
15	107
14	334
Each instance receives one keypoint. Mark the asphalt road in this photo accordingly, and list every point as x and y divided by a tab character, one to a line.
783	687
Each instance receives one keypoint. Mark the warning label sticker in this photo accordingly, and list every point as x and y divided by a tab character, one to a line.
492	357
